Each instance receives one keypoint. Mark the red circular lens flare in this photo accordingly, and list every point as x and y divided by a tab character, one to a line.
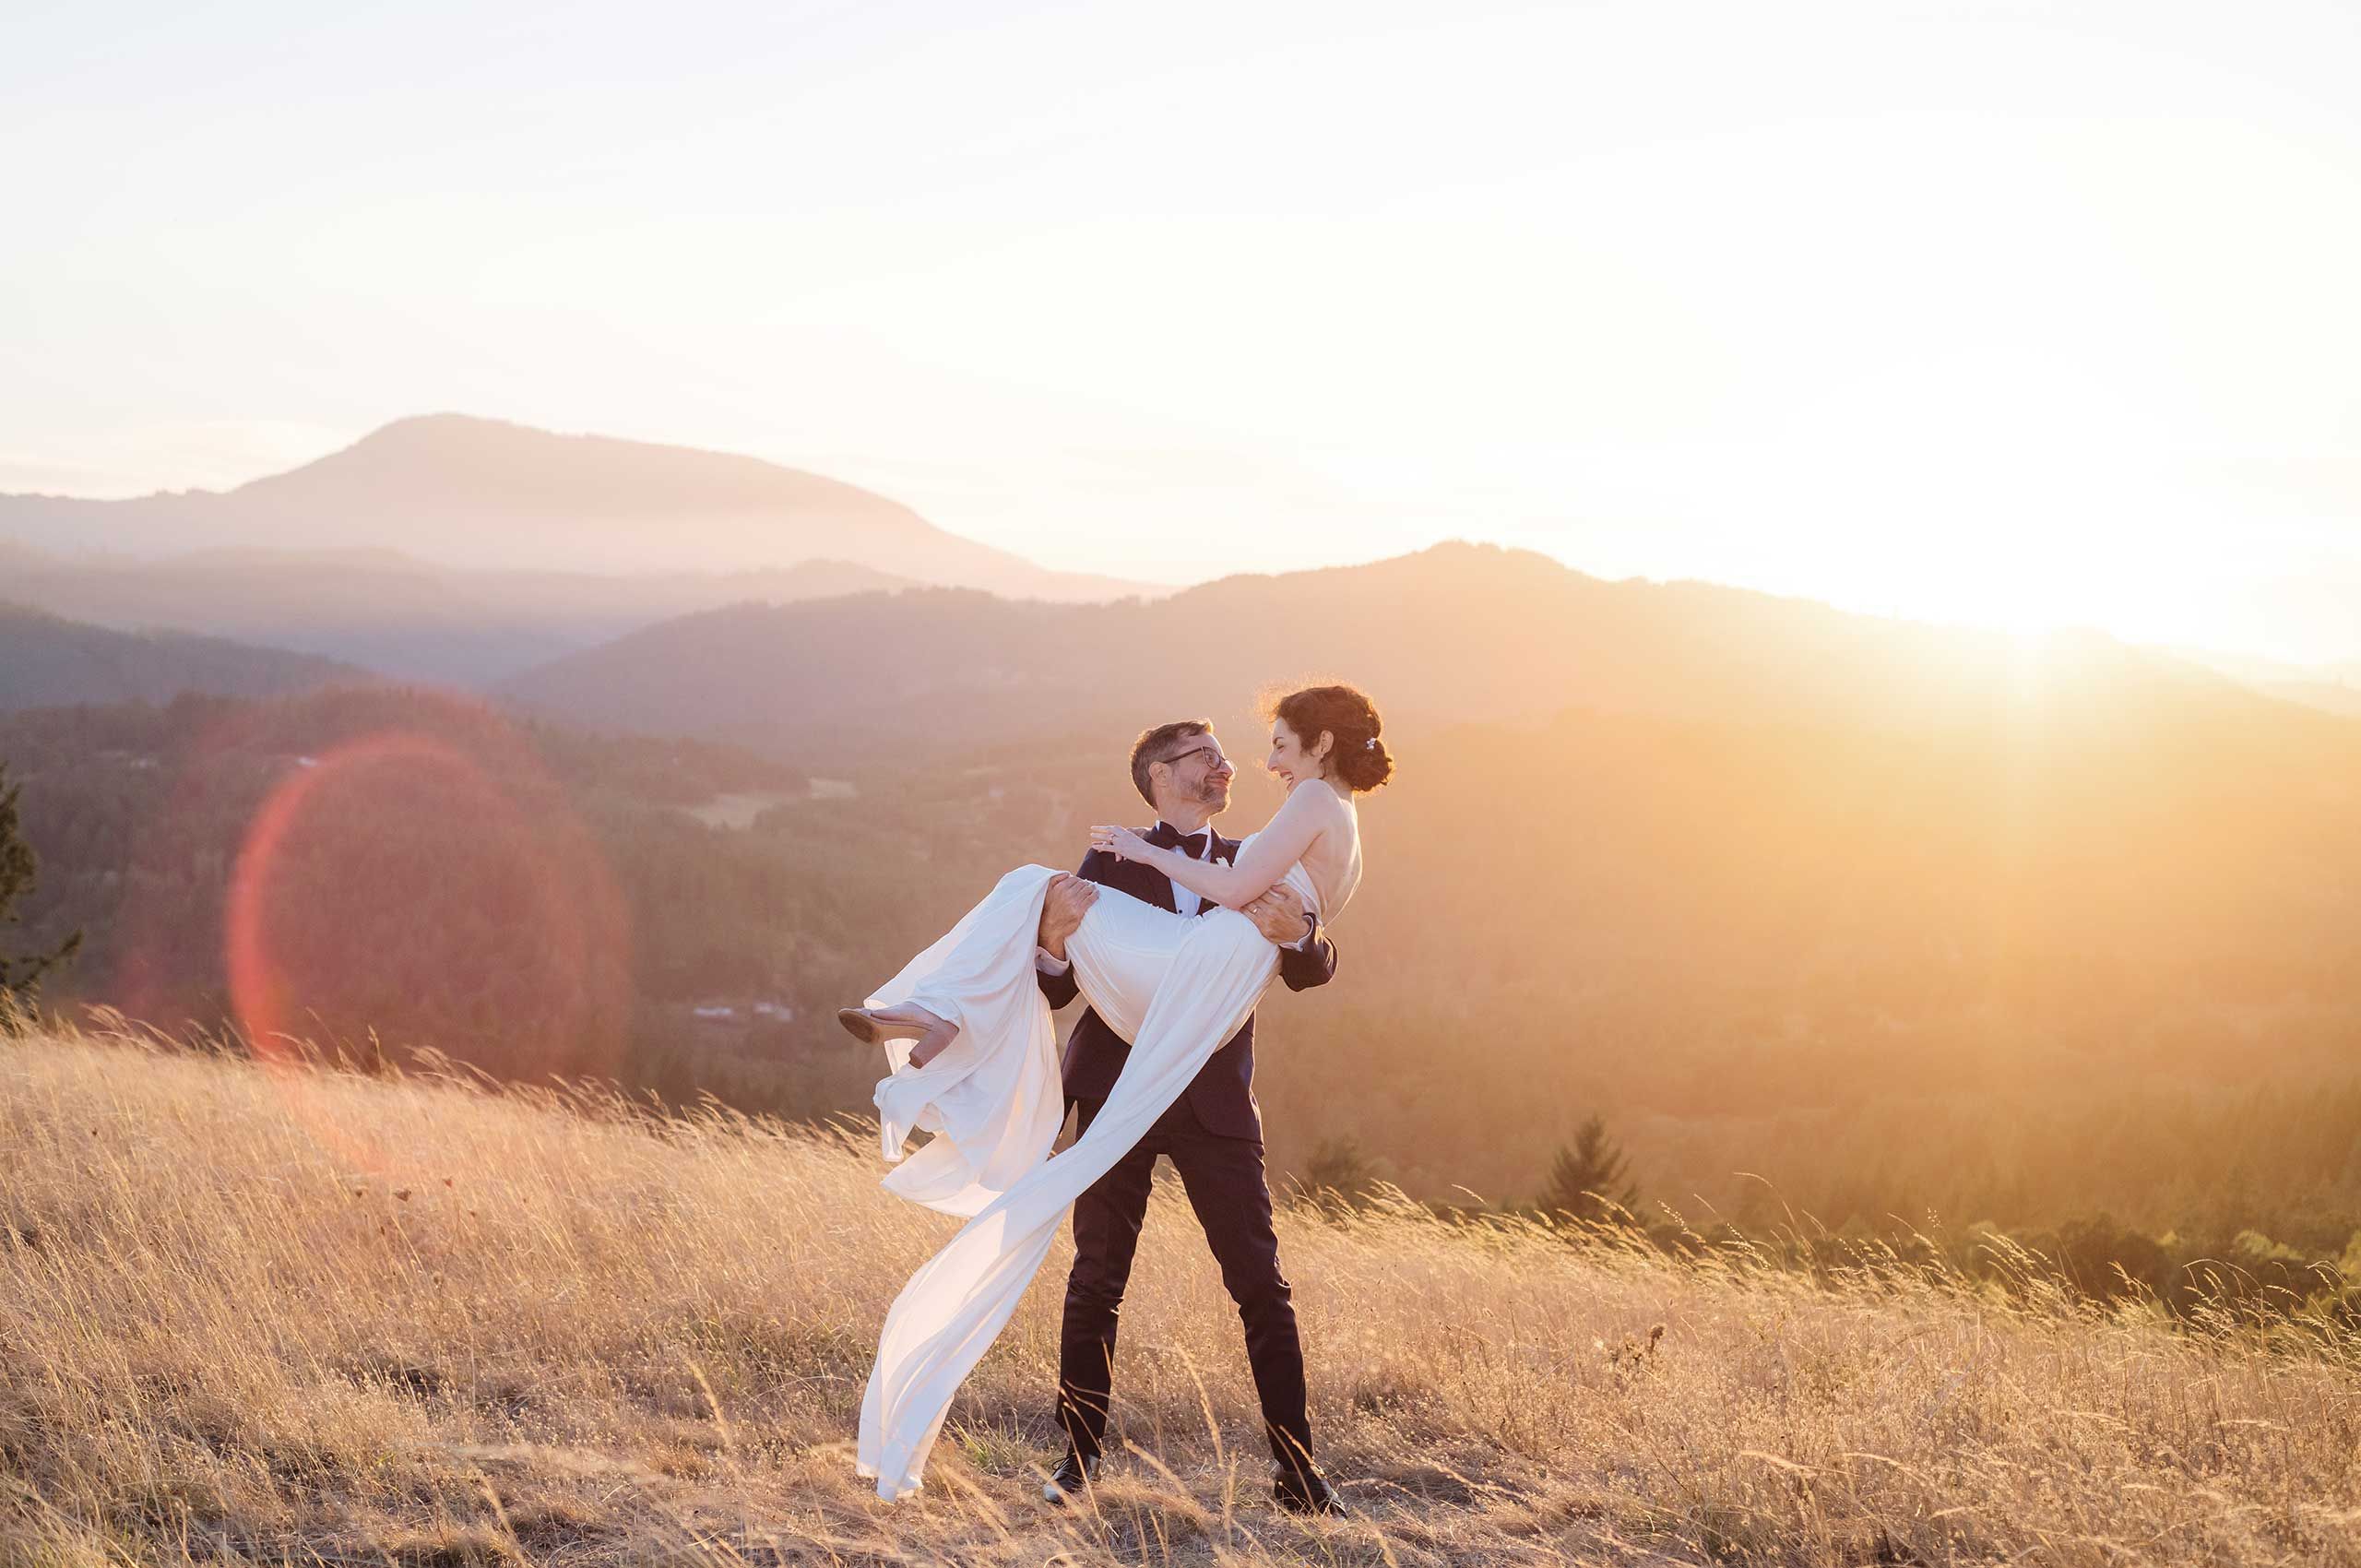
397	884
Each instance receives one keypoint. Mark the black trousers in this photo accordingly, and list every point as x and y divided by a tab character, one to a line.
1225	1185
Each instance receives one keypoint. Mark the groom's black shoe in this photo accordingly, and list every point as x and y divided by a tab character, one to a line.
1071	1478
1305	1491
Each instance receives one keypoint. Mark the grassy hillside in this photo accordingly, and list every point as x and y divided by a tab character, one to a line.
284	1316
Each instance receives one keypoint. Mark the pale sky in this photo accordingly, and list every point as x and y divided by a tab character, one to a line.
2010	313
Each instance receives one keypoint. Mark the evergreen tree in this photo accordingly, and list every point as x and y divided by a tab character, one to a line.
1585	1180
20	978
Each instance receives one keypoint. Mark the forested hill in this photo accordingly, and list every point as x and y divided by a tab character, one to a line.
45	660
412	863
1450	635
1998	973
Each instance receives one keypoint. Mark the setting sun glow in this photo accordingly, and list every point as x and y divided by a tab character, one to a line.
2023	315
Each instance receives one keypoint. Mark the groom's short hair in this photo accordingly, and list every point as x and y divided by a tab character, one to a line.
1159	744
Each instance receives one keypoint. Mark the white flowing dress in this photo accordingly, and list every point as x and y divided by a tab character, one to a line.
1177	987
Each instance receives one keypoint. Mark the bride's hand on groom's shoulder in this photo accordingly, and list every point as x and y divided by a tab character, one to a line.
1120	842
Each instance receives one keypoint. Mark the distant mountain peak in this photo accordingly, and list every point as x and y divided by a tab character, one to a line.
451	433
426	433
462	489
444	420
491	461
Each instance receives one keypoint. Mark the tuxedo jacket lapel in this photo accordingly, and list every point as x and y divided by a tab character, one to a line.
1144	882
1151	885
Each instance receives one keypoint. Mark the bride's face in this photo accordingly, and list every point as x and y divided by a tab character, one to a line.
1290	758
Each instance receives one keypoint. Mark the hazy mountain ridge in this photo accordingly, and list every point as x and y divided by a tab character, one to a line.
1458	632
396	614
487	493
2328	697
2332	688
48	661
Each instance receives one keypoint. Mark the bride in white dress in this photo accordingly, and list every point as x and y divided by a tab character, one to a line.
974	1056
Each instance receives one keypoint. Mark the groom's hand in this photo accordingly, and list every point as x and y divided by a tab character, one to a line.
1278	914
1070	898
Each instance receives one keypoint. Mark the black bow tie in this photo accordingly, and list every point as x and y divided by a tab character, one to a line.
1192	845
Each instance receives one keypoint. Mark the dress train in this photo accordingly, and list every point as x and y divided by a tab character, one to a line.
995	1099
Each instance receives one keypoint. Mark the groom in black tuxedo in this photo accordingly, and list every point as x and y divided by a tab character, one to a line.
1212	1133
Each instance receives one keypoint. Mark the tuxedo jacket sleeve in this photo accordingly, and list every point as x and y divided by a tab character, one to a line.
1303	967
1059	989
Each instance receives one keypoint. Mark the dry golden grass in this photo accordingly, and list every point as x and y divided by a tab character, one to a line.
246	1316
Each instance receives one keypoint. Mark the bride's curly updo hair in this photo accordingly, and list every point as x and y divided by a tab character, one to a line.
1359	757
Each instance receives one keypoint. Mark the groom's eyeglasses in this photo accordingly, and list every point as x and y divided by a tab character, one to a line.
1218	760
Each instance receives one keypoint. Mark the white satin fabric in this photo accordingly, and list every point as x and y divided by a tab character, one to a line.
1176	987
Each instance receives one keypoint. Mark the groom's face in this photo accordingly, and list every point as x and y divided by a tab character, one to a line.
1198	776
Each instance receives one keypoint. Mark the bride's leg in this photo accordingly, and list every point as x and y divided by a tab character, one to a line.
932	1043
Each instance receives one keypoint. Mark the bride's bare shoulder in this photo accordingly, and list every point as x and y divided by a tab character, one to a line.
1315	798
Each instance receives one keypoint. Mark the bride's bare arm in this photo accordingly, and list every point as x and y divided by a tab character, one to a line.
1300	822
